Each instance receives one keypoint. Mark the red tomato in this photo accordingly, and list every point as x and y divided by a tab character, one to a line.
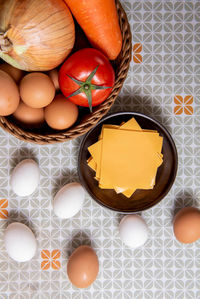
86	77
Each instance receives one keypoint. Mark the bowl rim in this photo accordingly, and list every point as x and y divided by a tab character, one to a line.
172	143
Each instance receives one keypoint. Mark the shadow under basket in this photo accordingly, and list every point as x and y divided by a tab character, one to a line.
86	120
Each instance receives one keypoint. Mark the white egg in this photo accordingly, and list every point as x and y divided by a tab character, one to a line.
25	177
20	242
69	200
133	231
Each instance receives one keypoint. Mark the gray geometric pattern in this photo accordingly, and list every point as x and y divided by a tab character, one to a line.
169	34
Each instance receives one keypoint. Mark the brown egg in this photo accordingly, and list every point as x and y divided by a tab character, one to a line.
37	90
53	74
9	94
29	117
83	267
61	113
187	225
15	73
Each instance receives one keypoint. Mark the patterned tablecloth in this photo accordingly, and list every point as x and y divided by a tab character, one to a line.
163	82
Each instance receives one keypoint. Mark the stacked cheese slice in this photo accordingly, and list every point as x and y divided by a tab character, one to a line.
126	158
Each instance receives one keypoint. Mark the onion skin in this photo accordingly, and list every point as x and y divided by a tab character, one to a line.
35	35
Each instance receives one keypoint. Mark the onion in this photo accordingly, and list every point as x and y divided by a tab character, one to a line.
35	35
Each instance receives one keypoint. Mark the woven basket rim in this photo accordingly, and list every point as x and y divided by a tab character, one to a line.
91	119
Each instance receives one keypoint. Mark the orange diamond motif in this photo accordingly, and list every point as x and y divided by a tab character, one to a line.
3	210
50	259
137	49
183	105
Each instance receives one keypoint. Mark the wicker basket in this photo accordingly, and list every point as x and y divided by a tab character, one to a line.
121	66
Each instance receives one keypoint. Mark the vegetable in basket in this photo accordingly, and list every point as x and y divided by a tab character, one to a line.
86	78
35	35
99	20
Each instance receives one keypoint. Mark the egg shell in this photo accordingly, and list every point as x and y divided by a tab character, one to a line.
20	242
83	267
61	113
15	73
9	94
133	231
187	225
29	117
53	74
37	90
25	177
69	200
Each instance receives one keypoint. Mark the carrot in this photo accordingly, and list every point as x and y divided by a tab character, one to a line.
99	21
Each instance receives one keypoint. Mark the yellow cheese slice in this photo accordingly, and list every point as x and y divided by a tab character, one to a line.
129	148
92	164
129	192
132	124
89	159
107	126
157	164
95	151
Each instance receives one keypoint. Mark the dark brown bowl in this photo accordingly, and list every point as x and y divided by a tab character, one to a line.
141	199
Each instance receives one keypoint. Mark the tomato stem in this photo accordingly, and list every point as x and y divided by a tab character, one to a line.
87	87
89	97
